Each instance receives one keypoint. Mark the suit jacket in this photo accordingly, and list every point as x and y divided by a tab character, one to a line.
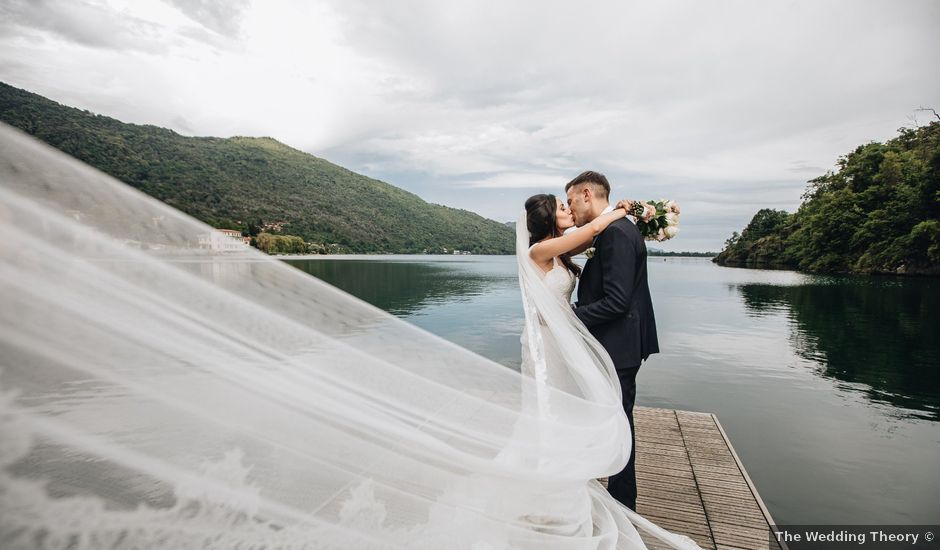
614	297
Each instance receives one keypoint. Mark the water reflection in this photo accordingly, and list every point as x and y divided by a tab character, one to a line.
879	335
761	349
402	287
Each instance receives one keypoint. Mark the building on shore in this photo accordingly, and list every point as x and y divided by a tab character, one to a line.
224	240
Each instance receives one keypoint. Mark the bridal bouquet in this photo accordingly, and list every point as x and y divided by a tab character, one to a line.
656	220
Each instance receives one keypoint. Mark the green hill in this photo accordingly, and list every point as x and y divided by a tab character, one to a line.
247	183
879	213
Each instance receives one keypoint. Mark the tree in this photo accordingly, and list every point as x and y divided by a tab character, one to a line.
878	213
766	222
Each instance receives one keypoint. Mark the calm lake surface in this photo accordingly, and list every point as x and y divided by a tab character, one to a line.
829	387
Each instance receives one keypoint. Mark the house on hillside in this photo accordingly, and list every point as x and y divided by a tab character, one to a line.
224	240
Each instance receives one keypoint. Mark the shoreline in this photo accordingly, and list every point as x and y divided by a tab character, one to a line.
914	272
379	256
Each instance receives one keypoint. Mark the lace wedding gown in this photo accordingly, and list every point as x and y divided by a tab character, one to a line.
560	283
159	391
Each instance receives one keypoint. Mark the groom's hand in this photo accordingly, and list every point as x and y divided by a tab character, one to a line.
626	205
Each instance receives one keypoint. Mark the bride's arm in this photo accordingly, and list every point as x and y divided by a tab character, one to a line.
580	249
577	240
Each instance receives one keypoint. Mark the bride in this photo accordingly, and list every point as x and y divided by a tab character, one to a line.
546	219
159	393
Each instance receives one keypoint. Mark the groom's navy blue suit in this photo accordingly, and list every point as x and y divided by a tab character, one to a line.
614	303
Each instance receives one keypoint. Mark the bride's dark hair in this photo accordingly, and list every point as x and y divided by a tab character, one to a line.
541	223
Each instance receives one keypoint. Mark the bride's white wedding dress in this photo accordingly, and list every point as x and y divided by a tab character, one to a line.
157	391
560	283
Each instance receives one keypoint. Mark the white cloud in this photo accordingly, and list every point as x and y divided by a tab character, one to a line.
726	106
521	180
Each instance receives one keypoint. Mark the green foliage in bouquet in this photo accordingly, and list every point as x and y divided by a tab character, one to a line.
656	220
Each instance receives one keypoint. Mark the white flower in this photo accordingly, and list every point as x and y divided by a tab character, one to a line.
589	253
671	231
661	235
672	218
671	206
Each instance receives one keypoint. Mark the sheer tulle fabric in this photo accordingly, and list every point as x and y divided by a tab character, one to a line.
158	393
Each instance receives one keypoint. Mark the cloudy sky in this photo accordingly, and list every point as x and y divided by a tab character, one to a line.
725	106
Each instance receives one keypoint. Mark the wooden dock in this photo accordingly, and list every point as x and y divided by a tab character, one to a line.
690	481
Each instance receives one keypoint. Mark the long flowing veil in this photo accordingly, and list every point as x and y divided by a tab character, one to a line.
161	387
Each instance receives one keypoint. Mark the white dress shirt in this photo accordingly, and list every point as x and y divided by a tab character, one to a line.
611	209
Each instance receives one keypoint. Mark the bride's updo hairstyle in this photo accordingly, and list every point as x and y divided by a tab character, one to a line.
541	223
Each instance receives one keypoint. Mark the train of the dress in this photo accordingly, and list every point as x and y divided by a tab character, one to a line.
159	390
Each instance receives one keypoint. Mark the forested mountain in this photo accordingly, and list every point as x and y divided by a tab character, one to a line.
252	184
878	213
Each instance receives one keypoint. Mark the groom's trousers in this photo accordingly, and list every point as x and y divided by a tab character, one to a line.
622	486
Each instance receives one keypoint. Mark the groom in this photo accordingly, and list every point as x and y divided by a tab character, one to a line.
614	303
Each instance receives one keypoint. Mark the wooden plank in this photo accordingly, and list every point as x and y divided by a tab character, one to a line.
722	502
677	499
713	475
665	426
667	521
654	478
747	479
724	487
667	446
675	443
704	541
718	501
688	512
674	452
665	468
718	469
700	433
724	531
653	422
668	493
659	455
672	497
665	465
736	517
670	475
666	502
708	453
642	440
691	481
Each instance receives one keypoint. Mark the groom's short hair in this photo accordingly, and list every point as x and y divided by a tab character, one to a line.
590	176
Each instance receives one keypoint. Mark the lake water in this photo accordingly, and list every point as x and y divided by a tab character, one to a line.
828	387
